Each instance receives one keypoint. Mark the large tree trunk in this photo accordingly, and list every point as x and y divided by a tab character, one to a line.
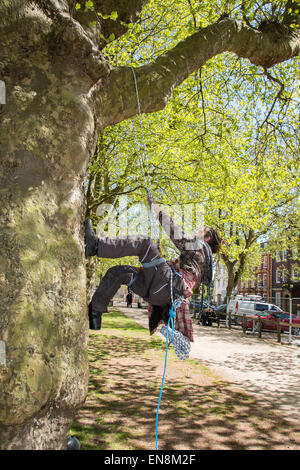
47	136
60	93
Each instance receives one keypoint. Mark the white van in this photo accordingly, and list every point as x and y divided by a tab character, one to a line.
249	306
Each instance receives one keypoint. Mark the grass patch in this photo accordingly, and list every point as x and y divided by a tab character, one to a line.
198	410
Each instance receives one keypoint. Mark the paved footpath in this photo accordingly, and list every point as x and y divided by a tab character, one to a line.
263	367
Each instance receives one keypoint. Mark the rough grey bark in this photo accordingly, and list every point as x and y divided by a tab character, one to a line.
47	137
60	93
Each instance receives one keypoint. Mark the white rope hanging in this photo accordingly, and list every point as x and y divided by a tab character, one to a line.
144	160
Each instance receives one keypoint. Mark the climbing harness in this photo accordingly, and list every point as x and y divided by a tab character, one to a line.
180	343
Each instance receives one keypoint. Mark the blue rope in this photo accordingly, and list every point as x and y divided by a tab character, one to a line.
172	316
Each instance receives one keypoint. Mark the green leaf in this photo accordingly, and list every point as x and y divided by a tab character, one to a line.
77	6
114	15
89	4
105	17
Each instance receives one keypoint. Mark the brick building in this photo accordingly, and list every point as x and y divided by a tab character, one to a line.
276	280
286	280
261	282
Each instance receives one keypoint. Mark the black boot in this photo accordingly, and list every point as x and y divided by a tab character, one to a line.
90	239
95	319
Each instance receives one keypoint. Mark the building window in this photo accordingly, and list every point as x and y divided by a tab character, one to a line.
278	276
277	299
259	280
265	261
265	281
284	255
253	283
284	275
278	257
295	274
294	253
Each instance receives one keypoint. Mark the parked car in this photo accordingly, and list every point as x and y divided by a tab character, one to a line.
195	306
221	311
284	317
250	306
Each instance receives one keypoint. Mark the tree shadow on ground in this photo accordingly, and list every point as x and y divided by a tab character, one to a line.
264	366
198	410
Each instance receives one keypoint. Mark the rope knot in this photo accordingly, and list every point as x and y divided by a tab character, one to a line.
172	311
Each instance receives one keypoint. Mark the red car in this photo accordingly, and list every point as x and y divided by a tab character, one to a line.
284	317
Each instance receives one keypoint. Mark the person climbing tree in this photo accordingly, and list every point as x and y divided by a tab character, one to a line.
195	265
152	281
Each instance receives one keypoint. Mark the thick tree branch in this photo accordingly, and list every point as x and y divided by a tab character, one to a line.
69	38
157	80
77	32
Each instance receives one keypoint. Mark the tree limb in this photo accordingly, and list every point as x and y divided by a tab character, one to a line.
70	38
157	80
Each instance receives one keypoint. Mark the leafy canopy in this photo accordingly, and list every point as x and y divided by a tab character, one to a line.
229	136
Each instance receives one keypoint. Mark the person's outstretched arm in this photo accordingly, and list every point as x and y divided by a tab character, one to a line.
173	230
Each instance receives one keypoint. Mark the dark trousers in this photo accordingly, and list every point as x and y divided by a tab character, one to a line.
152	284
